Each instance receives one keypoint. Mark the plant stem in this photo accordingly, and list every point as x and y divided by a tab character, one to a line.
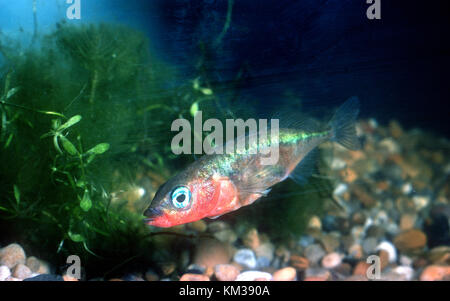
93	86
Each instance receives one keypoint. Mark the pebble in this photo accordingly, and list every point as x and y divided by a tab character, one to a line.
405	260
33	263
151	275
405	273
21	271
314	223
339	190
332	260
389	248
358	218
361	268
357	278
305	241
410	240
389	145
299	262
317	274
369	245
211	252
314	253
37	265
195	269
226	235
384	259
168	268
194	277
407	188
246	258
364	196
358	233
199	226
435	273
343	270
348	175
283	254
407	221
70	278
395	129
420	201
251	239
253	276
265	250
440	255
285	274
4	272
217	226
375	231
226	272
12	255
337	163
356	251
330	242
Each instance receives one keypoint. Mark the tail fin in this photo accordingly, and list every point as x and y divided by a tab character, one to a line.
343	124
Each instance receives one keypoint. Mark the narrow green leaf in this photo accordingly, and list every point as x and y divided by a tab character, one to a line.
99	148
60	246
68	146
9	140
52	113
17	194
55	143
72	121
12	92
3	208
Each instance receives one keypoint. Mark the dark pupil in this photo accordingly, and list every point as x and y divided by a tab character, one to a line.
180	198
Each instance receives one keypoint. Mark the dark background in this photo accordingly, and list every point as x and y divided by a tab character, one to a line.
321	51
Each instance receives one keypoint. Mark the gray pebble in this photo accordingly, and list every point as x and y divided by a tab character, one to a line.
314	253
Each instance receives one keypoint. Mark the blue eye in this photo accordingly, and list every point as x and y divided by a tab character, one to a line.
181	197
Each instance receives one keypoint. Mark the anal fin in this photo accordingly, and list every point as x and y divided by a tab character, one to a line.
306	167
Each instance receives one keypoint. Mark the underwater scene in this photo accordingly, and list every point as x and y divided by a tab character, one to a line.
223	140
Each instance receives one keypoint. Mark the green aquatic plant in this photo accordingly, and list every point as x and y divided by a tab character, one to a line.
57	173
86	112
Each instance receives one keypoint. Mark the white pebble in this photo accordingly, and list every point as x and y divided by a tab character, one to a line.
332	260
340	189
246	258
252	275
381	218
405	260
390	145
405	271
338	164
407	188
4	272
421	201
389	248
373	123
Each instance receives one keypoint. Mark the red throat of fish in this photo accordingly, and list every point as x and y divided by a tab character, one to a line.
211	199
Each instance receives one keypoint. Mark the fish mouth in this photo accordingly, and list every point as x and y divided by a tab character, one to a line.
152	213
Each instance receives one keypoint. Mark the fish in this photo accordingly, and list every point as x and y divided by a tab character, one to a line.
217	184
